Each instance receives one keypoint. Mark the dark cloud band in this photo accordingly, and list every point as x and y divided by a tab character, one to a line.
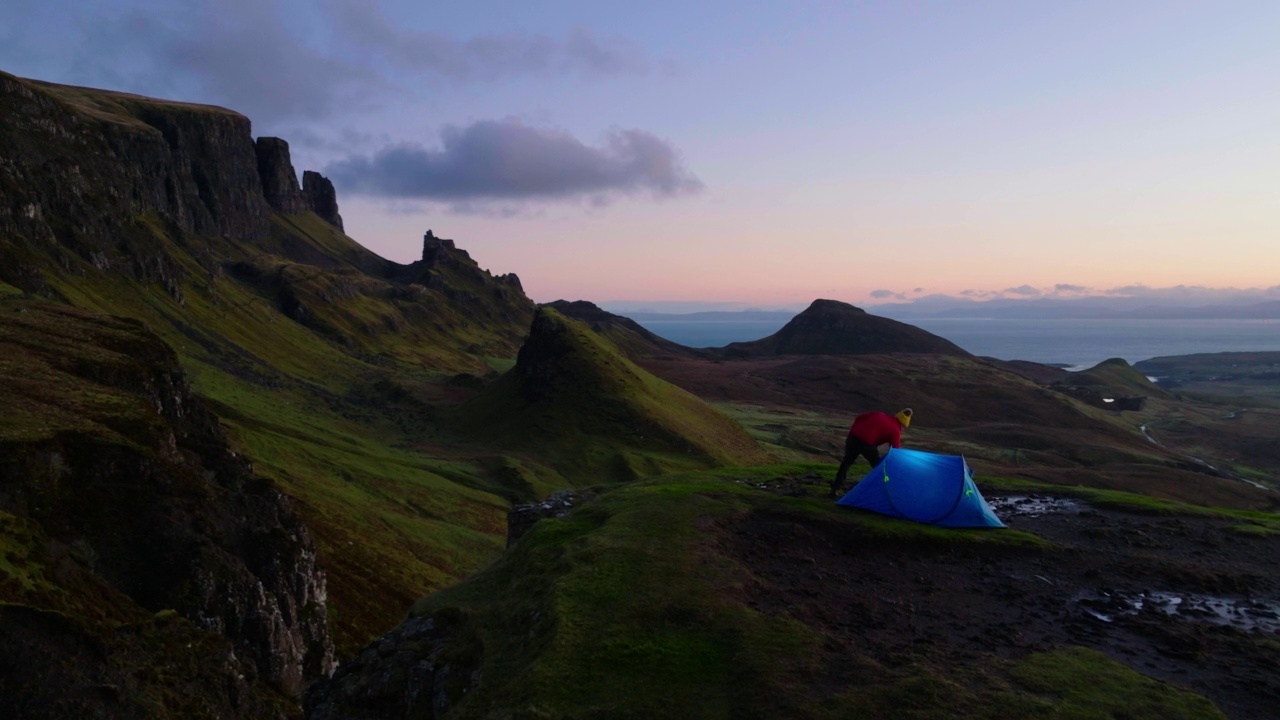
253	56
506	160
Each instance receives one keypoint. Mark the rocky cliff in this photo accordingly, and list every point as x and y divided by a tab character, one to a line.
128	490
280	184
81	171
321	197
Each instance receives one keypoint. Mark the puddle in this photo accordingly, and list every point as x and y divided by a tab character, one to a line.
1032	505
1245	615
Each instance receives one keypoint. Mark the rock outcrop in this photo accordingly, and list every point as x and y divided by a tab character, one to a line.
446	268
280	184
108	452
279	181
321	198
558	504
415	671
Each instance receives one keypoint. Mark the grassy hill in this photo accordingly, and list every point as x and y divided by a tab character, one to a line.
1115	378
745	594
577	403
628	335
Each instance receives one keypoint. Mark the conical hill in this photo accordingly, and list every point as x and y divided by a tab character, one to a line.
831	327
1115	377
573	395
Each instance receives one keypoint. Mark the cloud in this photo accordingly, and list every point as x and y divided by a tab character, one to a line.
1069	289
885	294
1024	291
272	60
507	160
1129	290
486	57
244	54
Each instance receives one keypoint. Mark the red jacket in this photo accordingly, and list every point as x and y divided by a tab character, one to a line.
877	428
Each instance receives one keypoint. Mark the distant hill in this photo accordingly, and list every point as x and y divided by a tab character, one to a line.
1116	377
831	327
1039	372
1252	374
630	337
577	399
1083	308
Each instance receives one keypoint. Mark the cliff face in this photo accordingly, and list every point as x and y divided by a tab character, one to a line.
80	167
321	197
107	453
280	184
279	180
105	158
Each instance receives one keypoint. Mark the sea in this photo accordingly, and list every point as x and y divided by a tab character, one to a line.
1076	344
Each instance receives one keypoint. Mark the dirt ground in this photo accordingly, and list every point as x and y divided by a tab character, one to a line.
1184	599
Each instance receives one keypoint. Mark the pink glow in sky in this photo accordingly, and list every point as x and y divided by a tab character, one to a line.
756	153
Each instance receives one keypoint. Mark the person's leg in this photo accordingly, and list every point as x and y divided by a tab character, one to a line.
872	454
852	447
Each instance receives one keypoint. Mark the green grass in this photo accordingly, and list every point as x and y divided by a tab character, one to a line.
392	519
1086	684
630	607
626	603
383	517
1067	684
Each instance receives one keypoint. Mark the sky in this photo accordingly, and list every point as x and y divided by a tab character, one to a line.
727	154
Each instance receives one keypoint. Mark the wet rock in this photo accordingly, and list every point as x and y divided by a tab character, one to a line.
522	517
423	678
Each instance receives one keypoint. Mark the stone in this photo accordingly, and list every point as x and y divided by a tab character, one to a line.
321	198
279	181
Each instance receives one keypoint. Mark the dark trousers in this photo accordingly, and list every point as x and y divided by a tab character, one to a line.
853	447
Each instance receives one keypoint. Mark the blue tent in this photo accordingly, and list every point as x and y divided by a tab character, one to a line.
925	487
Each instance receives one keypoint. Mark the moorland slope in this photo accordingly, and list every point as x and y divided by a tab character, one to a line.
230	427
314	353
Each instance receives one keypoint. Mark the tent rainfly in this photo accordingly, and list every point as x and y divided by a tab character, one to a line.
925	487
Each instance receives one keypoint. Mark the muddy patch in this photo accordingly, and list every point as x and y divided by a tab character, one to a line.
1012	506
1183	599
1243	614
